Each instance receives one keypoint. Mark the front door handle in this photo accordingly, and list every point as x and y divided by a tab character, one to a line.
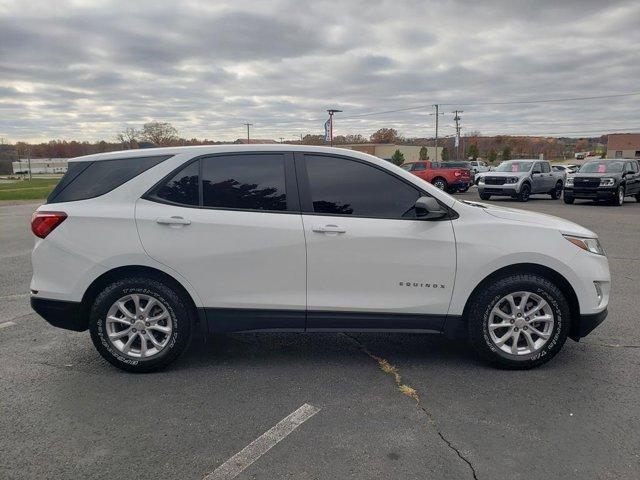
329	229
173	221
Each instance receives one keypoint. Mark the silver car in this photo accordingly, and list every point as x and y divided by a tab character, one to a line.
521	178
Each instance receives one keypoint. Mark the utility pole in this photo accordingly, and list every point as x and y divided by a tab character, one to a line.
281	139
457	119
248	125
331	112
436	114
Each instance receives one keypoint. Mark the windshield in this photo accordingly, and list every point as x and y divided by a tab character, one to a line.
602	167
514	166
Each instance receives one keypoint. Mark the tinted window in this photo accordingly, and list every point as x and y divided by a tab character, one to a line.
100	177
545	167
346	187
249	181
419	166
610	166
182	188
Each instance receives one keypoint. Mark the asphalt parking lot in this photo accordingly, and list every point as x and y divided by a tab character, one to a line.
67	414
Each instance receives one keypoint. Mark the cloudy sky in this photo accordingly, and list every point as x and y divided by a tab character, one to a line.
86	69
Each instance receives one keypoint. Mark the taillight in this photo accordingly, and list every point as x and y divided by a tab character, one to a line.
43	223
457	173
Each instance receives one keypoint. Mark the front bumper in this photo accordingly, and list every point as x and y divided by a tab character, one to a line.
599	193
505	190
587	324
60	313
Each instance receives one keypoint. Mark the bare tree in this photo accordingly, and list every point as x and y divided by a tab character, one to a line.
160	133
128	137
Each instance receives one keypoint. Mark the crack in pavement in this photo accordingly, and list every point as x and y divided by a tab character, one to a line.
412	393
612	345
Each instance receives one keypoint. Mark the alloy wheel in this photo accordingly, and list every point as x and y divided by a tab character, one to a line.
521	323
139	325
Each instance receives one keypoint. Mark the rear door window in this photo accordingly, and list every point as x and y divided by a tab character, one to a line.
85	180
182	188
246	182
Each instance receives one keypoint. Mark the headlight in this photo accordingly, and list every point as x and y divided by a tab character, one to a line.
607	182
589	244
481	180
512	180
569	182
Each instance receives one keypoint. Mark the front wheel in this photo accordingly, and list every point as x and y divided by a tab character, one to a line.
140	324
519	321
485	196
568	200
525	193
619	199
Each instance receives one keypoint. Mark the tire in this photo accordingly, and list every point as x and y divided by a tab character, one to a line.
638	197
463	189
525	193
481	314
620	194
485	196
440	183
170	304
556	193
568	200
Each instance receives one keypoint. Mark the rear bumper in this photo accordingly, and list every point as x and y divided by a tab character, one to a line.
591	193
587	324
60	313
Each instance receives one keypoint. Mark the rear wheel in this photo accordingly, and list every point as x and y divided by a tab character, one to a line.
440	183
140	324
525	193
556	192
463	189
519	322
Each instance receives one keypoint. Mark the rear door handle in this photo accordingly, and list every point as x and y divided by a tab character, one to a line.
329	229
173	221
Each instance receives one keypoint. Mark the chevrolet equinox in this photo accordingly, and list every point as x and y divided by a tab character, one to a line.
146	248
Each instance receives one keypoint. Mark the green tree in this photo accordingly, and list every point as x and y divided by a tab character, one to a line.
444	154
493	156
473	152
506	153
424	153
397	158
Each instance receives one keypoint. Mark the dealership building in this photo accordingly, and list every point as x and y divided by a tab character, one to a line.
385	151
40	165
623	145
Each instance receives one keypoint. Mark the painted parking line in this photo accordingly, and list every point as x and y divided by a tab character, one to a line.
261	445
6	324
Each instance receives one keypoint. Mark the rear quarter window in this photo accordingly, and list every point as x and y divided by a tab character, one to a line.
85	180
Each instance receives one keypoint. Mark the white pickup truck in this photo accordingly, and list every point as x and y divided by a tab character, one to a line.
520	179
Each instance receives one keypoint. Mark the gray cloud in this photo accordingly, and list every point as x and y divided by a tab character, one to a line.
86	69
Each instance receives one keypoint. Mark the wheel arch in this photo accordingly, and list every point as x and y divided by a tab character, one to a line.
116	273
532	268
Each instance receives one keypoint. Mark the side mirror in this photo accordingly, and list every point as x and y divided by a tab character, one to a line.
428	208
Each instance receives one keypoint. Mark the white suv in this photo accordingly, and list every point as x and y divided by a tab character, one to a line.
146	248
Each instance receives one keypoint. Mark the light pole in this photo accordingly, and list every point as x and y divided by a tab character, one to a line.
331	112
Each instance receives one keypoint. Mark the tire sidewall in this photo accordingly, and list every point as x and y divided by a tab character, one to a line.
171	301
479	327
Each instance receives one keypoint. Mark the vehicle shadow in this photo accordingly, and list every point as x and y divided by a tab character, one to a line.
247	349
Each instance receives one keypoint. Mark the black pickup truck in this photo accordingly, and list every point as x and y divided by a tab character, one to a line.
604	180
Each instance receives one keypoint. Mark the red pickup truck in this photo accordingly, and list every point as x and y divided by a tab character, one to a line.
449	179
